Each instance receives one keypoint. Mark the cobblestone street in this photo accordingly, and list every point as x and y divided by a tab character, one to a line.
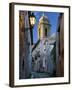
40	75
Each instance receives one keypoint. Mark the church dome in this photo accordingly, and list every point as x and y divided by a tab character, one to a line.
44	19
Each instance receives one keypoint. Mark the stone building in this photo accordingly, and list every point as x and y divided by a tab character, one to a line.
41	52
60	46
24	46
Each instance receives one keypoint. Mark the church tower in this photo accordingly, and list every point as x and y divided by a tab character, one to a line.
43	27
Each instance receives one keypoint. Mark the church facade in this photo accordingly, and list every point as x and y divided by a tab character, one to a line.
42	60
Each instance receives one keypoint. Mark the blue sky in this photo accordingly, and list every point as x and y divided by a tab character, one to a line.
53	18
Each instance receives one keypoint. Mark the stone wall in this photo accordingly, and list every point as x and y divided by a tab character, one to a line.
60	46
24	46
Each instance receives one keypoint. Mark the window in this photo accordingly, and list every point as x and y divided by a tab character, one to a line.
46	32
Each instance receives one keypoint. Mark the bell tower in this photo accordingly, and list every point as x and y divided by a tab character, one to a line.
43	27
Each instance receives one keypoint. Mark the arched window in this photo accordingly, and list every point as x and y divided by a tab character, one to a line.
45	31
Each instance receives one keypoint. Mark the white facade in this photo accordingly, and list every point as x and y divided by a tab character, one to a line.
43	62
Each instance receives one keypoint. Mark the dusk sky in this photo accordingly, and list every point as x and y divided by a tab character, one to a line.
53	18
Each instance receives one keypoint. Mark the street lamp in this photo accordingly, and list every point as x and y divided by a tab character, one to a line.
32	21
